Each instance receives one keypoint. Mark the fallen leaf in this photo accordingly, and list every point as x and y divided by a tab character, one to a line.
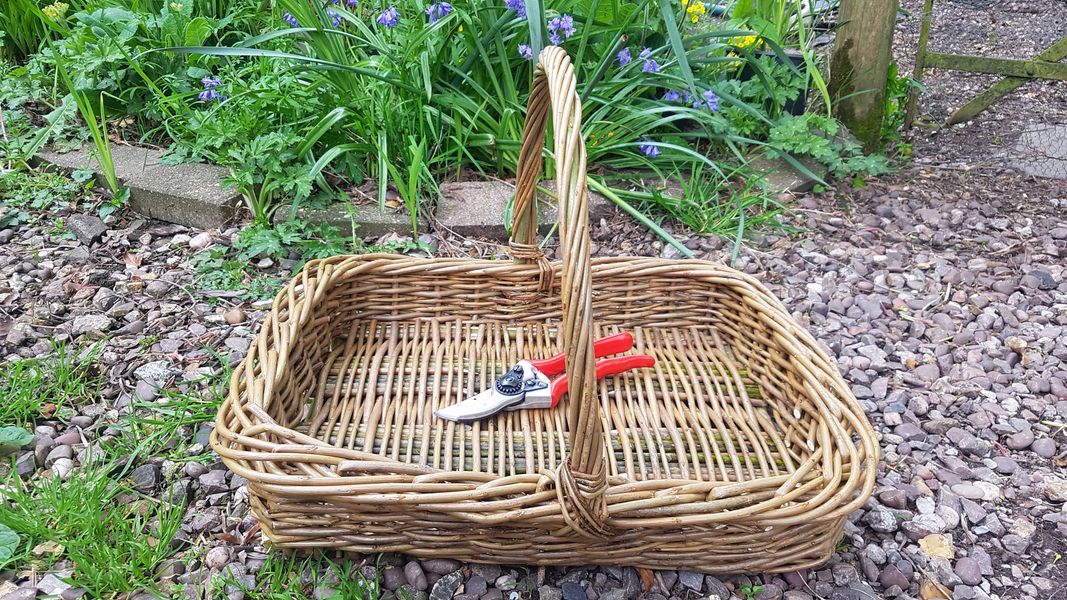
932	590
47	548
935	545
48	410
229	538
132	260
646	577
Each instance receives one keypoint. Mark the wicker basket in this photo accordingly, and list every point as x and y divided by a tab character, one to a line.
741	450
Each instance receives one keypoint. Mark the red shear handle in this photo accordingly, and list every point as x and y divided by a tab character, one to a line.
606	346
604	368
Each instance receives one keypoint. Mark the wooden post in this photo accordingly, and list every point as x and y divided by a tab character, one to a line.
860	65
920	63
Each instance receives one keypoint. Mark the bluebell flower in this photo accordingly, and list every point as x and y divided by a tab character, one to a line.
335	17
438	10
649	149
209	82
209	95
624	57
561	28
711	100
672	96
351	3
519	6
526	51
389	17
650	66
687	98
291	20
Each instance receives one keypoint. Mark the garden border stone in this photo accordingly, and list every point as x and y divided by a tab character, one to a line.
476	208
188	194
782	177
370	222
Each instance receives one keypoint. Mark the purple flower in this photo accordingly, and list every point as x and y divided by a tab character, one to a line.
209	82
687	98
526	51
209	95
335	17
561	27
335	1
672	96
711	100
351	3
650	66
291	20
389	17
438	10
519	6
649	149
624	57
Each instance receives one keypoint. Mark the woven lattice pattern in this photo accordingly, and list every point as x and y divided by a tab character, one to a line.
741	450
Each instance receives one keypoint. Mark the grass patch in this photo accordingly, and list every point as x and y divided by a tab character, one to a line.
116	545
158	428
38	387
296	577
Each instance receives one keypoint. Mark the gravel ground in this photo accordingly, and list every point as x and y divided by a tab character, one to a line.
943	294
941	290
1012	29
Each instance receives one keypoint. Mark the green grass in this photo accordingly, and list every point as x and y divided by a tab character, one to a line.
163	426
117	541
295	577
61	379
116	538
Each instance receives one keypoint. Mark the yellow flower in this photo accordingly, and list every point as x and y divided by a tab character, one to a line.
743	42
695	10
55	10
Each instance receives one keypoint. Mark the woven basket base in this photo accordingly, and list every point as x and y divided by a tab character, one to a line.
378	388
724	549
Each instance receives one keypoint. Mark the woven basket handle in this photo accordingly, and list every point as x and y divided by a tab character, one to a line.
554	87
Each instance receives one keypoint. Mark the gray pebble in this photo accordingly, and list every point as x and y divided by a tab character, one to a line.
691	580
572	591
415	576
968	570
1044	447
393	578
446	586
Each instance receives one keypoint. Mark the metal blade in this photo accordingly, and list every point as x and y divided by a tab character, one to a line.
477	407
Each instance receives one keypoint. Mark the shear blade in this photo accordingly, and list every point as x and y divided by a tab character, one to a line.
477	407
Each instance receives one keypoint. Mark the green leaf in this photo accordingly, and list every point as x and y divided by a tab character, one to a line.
667	13
13	438
9	542
613	13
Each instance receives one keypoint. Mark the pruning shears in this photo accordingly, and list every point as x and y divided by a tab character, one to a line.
529	383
